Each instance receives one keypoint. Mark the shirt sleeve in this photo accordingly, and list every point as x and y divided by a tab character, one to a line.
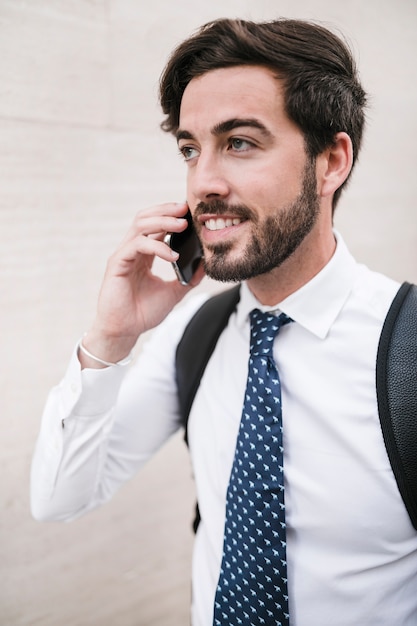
99	427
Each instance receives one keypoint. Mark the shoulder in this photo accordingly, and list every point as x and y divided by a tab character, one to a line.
373	292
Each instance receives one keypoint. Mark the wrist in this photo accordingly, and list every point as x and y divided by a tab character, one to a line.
95	353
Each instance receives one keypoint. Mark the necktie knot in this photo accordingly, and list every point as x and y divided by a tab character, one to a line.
264	329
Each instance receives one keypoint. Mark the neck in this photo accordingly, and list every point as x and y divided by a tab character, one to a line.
308	260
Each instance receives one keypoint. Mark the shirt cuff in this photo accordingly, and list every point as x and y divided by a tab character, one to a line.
90	392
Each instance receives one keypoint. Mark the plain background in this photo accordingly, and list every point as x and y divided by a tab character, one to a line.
80	153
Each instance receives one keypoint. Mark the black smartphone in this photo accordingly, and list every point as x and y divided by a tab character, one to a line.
189	248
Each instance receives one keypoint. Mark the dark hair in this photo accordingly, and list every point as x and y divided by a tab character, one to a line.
323	95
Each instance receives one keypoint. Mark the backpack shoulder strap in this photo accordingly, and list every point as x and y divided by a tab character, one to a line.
396	383
197	345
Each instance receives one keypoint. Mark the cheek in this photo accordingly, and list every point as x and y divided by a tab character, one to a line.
281	184
270	191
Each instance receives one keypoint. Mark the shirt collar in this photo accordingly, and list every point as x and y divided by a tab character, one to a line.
316	305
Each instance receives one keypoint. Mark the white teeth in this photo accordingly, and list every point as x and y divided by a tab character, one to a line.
219	223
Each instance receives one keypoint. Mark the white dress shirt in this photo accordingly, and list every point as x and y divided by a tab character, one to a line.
351	548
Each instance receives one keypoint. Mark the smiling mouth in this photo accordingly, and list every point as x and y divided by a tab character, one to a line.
219	223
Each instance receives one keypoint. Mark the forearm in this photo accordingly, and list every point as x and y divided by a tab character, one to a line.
71	446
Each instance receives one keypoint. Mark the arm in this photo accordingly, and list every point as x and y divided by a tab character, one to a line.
100	425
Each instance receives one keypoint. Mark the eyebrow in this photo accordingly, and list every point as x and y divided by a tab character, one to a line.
228	125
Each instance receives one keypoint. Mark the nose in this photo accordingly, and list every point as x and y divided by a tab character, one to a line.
207	179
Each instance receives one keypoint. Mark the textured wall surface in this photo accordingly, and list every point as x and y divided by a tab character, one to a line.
80	153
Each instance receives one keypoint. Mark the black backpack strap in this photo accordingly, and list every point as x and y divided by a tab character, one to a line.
195	349
197	345
396	383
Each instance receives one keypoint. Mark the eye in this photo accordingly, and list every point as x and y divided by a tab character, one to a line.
240	145
188	152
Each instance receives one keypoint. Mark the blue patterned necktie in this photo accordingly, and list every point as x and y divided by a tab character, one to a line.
252	587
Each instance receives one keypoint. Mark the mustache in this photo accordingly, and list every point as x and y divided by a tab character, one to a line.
220	207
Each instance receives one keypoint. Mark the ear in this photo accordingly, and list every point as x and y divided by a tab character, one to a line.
334	165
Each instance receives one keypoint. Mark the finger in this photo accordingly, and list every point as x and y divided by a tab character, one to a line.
156	226
173	209
150	217
143	246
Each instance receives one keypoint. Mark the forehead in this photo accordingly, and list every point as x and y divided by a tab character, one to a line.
241	91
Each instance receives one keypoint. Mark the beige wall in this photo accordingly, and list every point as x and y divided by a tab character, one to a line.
80	153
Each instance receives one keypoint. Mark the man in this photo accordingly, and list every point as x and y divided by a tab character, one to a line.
269	120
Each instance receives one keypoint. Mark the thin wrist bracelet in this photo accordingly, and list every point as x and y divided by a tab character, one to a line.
121	363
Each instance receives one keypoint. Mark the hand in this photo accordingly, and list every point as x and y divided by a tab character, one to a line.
132	299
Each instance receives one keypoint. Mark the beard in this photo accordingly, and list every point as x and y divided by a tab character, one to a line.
274	239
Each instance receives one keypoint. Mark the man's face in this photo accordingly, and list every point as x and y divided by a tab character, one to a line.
250	185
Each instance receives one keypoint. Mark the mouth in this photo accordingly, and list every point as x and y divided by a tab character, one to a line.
220	223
